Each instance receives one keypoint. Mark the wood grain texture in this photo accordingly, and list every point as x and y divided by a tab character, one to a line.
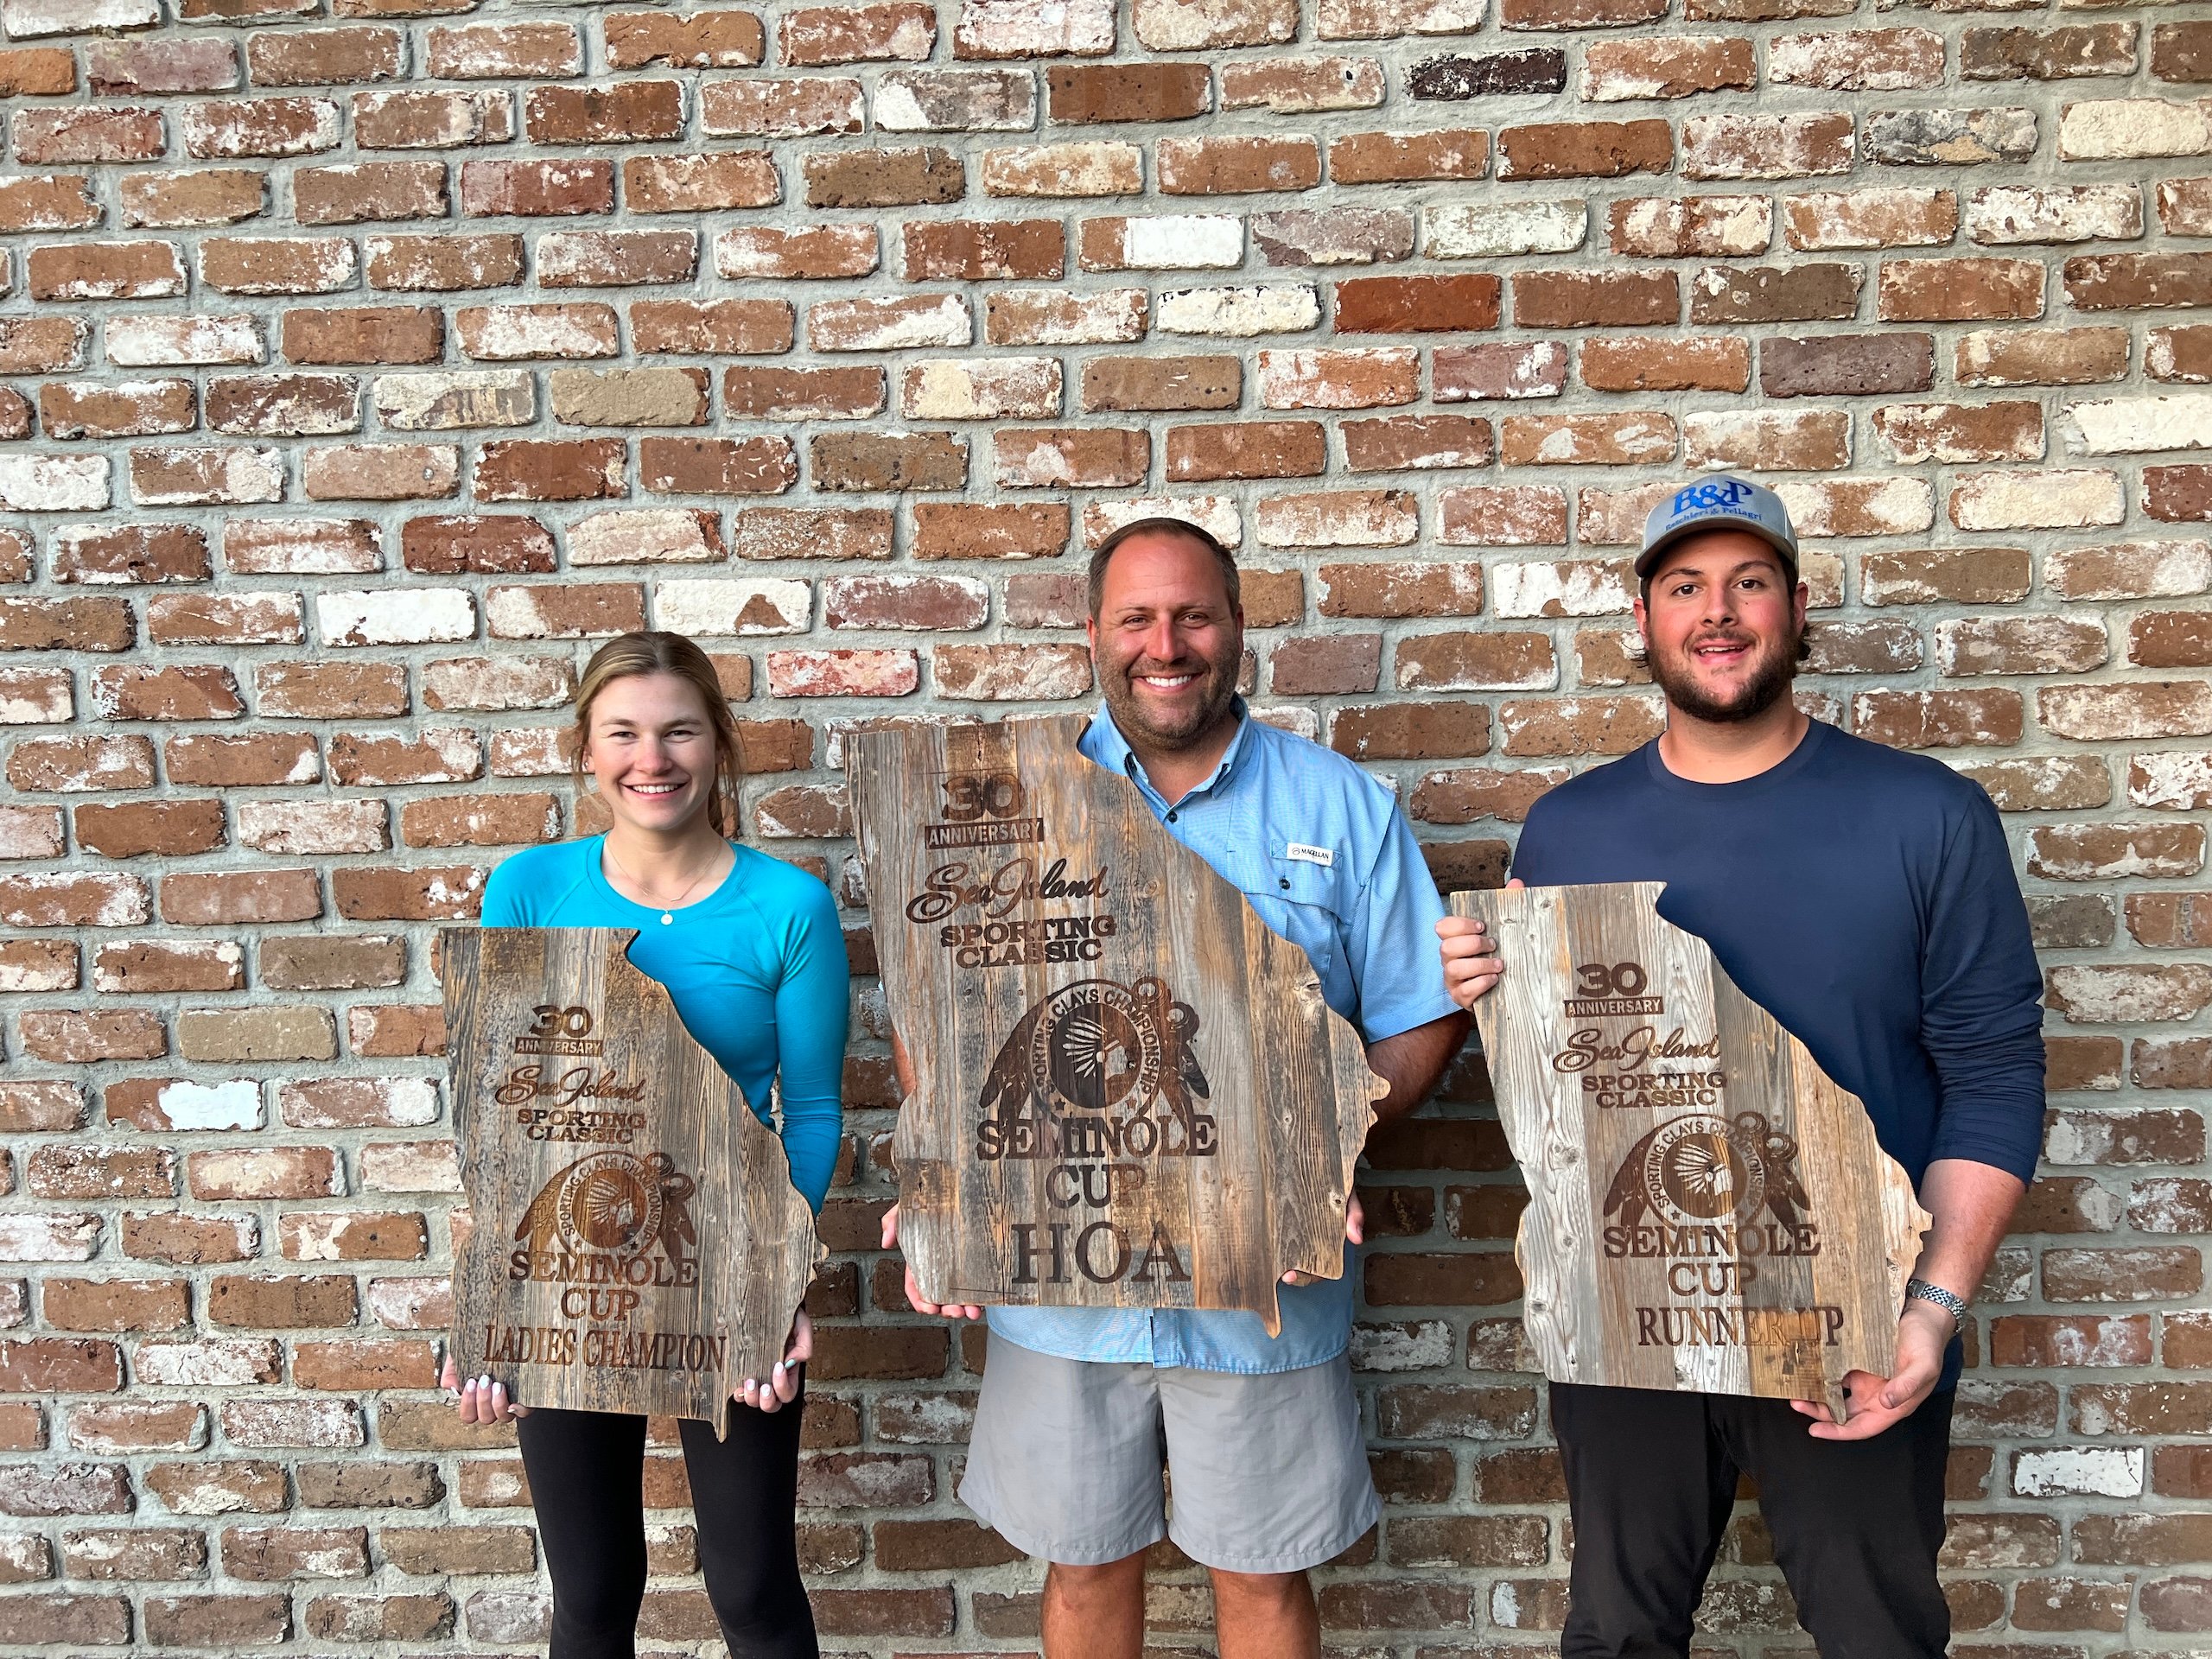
637	1244
1129	1092
1707	1209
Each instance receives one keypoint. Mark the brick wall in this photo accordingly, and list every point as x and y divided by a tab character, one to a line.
360	366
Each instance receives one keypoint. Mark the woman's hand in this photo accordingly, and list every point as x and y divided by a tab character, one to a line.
948	1310
782	1386
482	1401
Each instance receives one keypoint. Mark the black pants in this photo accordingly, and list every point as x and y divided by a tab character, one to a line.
1651	1477
585	1468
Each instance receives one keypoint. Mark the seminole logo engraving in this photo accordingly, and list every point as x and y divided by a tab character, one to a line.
613	1218
1085	1069
1699	1170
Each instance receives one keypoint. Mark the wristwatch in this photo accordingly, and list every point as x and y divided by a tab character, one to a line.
1954	1306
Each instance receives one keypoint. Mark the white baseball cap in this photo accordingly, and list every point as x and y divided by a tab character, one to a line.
1722	501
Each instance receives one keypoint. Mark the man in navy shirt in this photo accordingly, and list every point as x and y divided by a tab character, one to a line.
1866	899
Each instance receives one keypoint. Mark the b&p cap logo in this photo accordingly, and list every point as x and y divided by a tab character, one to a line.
1717	503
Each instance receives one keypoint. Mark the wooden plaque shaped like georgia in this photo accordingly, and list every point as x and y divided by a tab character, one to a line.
636	1244
1706	1210
1128	1091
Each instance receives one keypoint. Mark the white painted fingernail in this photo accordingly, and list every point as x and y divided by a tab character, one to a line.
485	1381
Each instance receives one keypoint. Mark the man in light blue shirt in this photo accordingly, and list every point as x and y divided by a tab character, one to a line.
1263	1435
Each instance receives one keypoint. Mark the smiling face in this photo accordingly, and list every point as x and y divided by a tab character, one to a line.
1721	625
1166	642
652	750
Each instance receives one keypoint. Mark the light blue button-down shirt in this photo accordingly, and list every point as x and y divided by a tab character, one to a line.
1359	901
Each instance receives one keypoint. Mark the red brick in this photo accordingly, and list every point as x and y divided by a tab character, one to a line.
536	189
781	109
983	249
1126	91
1247	449
38	72
873	32
524	469
1952	290
364	335
1327	664
698	184
716	465
368	191
503	51
442	263
1575	299
324	57
2127	281
1585	150
1417	304
1396	157
616	258
1657	68
50	137
1205	167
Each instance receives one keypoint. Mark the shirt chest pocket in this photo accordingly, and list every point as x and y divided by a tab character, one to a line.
1302	898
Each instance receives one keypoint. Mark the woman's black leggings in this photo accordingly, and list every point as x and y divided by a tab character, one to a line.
585	1469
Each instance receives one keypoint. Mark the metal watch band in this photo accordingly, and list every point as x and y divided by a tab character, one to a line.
1954	1305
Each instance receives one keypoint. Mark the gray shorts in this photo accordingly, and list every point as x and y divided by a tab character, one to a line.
1269	1470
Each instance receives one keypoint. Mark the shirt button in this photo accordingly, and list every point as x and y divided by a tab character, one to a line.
1283	882
1170	817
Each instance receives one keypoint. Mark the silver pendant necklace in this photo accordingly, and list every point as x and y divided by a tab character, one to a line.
668	913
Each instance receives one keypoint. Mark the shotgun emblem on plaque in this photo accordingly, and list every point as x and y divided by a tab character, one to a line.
636	1244
1707	1209
1128	1091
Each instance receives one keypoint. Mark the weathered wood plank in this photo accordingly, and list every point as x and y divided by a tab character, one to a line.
1707	1209
1129	1091
637	1244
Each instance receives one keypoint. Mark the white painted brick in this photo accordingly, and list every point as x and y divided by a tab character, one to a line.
759	605
1239	312
1217	515
395	616
145	341
2010	214
1491	231
2093	1471
2130	129
53	483
2054	500
2127	426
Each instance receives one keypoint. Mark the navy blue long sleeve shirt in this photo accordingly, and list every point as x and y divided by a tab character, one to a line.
1866	898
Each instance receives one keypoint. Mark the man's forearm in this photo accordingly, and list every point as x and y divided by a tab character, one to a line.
1412	1063
1971	1205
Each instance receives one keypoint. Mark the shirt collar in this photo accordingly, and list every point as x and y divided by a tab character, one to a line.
1112	750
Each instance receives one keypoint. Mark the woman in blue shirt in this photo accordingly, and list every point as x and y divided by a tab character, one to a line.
752	955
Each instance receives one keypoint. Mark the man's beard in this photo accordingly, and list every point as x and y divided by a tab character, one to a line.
1769	684
1130	715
